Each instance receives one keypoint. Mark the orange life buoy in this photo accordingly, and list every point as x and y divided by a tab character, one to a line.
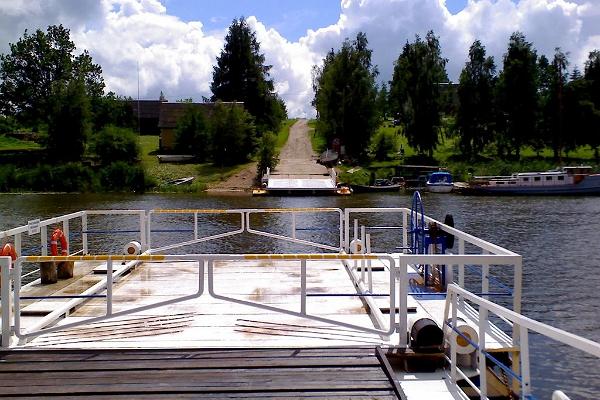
9	250
56	236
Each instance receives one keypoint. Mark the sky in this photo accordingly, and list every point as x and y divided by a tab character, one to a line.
173	44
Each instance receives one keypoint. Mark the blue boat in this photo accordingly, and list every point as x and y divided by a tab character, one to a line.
439	182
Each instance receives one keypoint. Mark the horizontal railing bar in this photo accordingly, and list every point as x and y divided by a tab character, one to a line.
347	295
559	335
195	257
93	231
74	296
446	293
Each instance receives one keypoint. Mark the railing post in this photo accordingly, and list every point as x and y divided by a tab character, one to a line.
483	321
5	263
402	301
369	269
18	244
525	374
44	239
148	231
485	278
461	268
303	286
84	235
195	226
404	231
363	264
66	233
109	286
453	356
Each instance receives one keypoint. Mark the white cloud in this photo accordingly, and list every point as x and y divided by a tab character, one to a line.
177	57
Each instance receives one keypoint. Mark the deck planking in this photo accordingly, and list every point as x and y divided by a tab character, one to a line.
334	373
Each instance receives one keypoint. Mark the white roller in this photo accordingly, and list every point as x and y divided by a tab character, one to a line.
132	248
462	345
357	246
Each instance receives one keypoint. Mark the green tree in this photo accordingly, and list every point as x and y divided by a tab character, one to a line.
192	134
591	105
415	91
68	120
345	96
113	144
241	75
111	109
518	88
475	115
383	103
552	80
34	64
268	157
232	135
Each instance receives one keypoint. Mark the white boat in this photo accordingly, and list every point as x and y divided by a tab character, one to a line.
563	181
337	321
182	181
439	182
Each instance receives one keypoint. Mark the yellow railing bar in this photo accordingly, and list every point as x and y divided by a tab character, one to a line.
102	257
324	256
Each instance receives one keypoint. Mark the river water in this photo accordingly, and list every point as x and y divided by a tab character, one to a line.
558	237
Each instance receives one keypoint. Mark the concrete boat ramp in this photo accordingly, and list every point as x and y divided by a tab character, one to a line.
297	171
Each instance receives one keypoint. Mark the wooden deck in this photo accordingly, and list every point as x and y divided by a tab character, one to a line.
324	373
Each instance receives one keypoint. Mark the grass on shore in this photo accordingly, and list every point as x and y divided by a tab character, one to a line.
447	154
8	143
205	173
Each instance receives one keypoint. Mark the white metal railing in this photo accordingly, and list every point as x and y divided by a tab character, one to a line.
204	261
521	325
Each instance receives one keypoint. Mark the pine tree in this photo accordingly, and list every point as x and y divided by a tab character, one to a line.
475	116
345	96
415	91
241	75
518	88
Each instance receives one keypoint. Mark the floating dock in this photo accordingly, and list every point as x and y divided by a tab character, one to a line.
339	322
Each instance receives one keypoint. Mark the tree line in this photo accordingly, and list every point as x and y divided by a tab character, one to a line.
46	87
532	101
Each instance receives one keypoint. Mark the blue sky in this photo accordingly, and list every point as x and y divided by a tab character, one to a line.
291	18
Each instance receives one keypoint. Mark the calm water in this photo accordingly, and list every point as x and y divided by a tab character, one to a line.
558	238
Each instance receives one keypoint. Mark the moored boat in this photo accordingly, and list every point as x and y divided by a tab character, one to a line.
439	182
563	181
380	185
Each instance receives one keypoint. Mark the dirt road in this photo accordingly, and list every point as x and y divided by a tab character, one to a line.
297	158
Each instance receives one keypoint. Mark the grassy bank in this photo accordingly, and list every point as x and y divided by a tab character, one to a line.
447	155
205	173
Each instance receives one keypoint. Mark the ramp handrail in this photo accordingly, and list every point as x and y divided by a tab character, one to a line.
204	261
521	324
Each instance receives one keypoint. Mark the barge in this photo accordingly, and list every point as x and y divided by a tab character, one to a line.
154	310
564	181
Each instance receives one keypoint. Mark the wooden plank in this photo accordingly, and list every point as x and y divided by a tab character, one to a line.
327	373
322	395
